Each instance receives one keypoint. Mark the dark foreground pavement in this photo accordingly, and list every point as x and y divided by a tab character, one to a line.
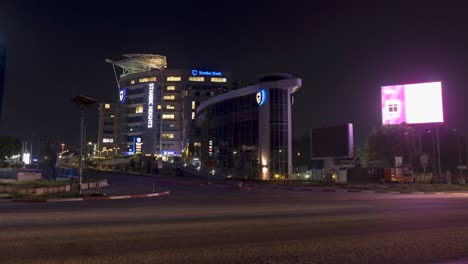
201	223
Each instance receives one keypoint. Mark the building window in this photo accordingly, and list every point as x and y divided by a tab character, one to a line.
170	88
196	79
217	79
108	123
170	107
197	144
132	82
193	105
148	79
173	78
168	126
159	106
139	109
107	140
193	115
169	97
167	135
168	116
107	106
107	132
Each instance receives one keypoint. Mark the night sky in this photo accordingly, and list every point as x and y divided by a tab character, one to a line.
56	50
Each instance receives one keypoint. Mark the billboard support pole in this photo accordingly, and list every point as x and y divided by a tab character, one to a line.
438	152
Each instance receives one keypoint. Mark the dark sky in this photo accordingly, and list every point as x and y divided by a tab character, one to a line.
56	50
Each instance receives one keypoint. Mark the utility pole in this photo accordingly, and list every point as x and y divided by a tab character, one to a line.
82	101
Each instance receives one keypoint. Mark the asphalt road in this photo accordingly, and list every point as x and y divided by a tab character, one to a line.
201	223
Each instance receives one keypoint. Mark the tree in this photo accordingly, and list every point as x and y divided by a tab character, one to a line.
9	146
365	155
389	141
49	156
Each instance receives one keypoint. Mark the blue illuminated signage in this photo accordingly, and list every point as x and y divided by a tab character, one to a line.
261	97
122	95
169	153
206	73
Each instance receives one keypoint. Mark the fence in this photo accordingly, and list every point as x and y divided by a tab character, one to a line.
8	173
63	172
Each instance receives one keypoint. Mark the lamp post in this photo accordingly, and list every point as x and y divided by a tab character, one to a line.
82	101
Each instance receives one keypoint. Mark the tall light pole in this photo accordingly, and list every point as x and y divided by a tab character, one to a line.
82	101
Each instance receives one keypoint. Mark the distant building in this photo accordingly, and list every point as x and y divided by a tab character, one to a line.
247	133
2	70
90	149
108	130
157	106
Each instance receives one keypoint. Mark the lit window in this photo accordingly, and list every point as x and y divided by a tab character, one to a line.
132	82
145	80
173	78
107	140
171	88
159	106
107	106
112	116
168	116
168	135
139	109
193	115
169	97
193	105
196	79
170	107
217	79
197	144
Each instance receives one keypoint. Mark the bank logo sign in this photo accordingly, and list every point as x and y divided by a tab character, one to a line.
122	95
206	73
261	97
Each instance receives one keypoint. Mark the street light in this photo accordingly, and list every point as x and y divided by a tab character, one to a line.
82	101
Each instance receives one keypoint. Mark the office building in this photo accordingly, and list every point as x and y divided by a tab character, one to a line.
107	144
2	70
246	133
157	106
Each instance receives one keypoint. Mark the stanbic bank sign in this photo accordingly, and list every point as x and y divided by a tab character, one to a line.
150	104
206	73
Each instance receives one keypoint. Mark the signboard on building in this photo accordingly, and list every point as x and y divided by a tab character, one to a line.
261	97
122	95
206	73
150	104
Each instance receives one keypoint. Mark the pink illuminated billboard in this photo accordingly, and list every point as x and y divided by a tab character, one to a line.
412	103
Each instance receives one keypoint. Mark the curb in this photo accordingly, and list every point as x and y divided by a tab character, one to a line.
119	197
368	191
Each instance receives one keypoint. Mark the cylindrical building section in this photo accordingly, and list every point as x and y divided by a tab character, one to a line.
246	133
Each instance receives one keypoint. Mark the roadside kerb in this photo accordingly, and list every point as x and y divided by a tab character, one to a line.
109	197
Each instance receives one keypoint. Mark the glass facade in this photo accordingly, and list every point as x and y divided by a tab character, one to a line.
233	131
279	133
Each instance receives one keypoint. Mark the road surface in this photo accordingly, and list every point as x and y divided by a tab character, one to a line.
201	223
